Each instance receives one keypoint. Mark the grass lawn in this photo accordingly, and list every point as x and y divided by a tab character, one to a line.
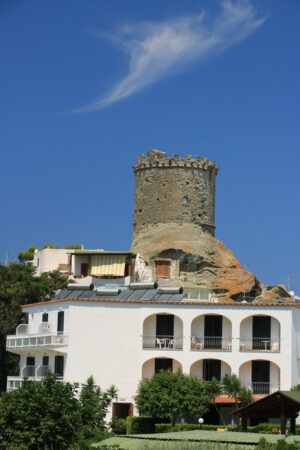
191	439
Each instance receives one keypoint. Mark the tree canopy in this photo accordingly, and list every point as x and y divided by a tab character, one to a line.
28	254
50	415
167	395
231	385
19	286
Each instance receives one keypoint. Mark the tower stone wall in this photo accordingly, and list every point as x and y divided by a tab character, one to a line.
174	190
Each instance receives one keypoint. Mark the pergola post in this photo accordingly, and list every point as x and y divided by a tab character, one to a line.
293	425
244	423
282	417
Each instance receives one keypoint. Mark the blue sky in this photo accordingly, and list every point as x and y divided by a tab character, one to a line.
87	85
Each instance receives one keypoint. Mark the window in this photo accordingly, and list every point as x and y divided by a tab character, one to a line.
60	322
45	360
122	410
45	317
163	364
185	201
30	361
196	294
211	368
84	269
59	365
163	268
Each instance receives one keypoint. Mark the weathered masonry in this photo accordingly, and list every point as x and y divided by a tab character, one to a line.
174	190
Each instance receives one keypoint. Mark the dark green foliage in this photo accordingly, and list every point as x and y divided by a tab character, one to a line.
168	427
140	425
40	415
87	436
168	395
94	404
19	286
118	426
27	255
163	428
49	415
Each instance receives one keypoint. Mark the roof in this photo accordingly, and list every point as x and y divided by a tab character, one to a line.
99	252
270	406
102	292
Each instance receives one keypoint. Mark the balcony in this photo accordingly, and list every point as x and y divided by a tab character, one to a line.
161	342
211	343
24	329
33	373
263	388
16	342
259	345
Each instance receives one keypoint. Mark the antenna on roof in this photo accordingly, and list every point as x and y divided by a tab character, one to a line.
290	276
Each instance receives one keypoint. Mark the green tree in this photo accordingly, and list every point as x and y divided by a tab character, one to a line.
95	403
233	388
215	389
27	255
40	415
167	395
19	286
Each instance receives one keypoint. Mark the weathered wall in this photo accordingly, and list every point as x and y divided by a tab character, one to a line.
174	190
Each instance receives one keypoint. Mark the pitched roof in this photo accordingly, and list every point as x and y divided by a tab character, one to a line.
270	406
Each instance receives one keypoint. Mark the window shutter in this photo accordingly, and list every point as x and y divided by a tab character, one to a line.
163	269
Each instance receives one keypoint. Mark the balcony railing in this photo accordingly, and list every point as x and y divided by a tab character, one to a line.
15	382
263	387
28	371
13	342
41	371
211	343
22	329
45	327
163	342
259	344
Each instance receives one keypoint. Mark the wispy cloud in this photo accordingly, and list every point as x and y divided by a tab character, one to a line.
158	50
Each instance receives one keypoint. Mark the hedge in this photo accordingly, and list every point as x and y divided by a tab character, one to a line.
140	425
262	427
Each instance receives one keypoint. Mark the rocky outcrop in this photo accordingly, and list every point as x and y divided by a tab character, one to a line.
203	260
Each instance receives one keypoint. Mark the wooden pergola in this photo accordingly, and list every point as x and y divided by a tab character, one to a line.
281	404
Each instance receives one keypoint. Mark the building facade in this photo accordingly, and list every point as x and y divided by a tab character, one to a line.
122	335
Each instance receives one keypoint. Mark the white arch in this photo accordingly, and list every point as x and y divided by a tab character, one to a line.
148	367
149	324
197	325
245	374
196	368
246	333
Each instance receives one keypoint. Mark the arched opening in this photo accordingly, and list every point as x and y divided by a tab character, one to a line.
211	332
154	365
260	375
163	332
260	332
206	369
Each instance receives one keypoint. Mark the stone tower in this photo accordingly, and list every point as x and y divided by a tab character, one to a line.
174	191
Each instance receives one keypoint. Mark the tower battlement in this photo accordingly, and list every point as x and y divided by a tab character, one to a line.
156	158
174	190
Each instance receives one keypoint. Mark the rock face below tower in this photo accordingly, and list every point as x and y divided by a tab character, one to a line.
174	226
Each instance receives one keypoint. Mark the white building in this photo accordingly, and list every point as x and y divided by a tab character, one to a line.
121	335
82	263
